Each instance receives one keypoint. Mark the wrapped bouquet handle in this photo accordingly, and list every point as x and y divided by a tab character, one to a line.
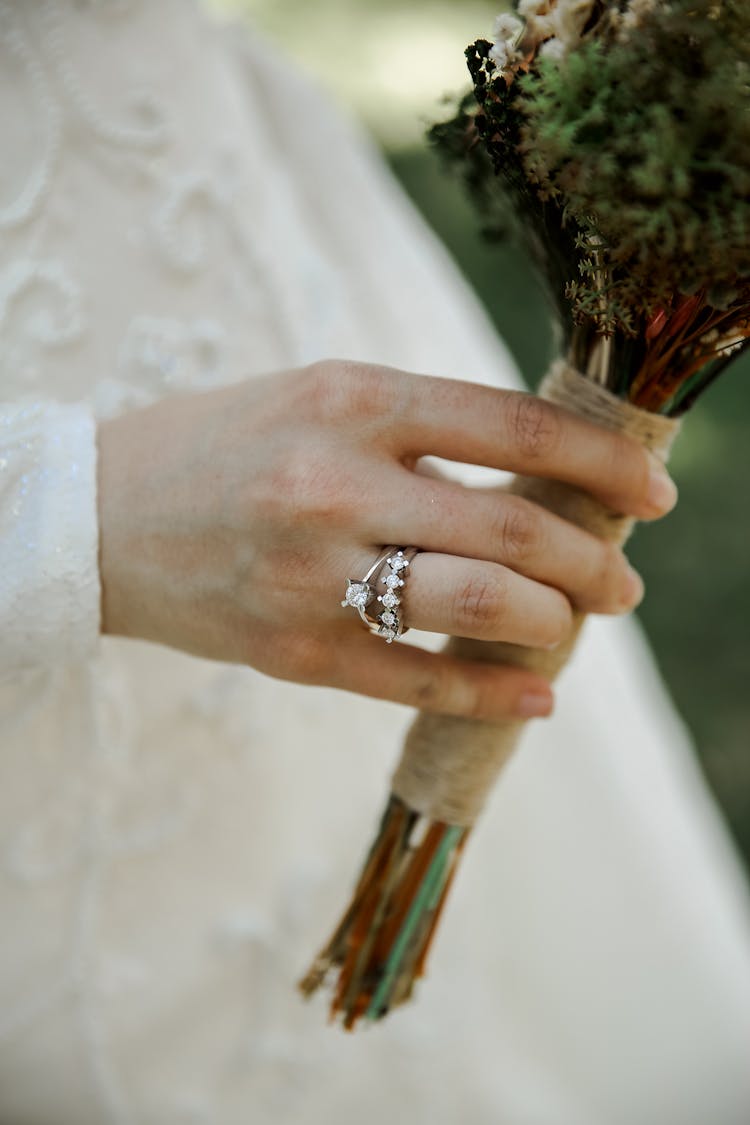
445	774
449	764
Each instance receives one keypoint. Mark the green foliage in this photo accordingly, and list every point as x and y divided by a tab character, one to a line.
647	138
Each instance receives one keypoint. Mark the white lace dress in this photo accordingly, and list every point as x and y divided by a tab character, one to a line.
179	209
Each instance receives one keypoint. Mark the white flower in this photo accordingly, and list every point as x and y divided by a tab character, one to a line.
636	9
569	18
533	9
506	32
507	28
502	55
553	49
537	18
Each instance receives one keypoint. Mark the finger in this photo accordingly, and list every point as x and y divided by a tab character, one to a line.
436	682
494	526
510	430
482	600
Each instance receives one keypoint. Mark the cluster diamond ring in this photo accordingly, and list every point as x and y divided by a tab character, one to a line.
391	618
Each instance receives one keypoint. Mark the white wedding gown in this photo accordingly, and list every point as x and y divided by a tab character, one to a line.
180	209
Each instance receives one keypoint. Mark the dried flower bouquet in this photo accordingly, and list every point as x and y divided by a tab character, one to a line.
613	138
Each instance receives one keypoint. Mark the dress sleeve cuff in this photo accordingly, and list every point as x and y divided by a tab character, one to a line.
50	593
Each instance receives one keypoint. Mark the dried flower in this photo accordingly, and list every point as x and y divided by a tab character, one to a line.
568	18
506	33
637	145
553	49
507	28
632	17
537	20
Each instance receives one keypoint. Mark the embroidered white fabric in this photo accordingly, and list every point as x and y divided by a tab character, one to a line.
178	209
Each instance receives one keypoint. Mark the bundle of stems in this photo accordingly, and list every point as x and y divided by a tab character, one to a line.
613	138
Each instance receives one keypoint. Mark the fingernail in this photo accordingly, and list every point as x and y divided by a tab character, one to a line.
633	588
535	705
662	490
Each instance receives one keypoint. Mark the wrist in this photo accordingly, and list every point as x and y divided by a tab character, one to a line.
117	461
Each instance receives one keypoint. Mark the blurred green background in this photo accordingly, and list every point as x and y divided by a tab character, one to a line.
392	63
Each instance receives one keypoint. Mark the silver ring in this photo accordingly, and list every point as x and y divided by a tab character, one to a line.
360	593
390	622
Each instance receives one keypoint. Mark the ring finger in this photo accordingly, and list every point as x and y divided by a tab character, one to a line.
482	600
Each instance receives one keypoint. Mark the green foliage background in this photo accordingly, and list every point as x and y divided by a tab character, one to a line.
391	63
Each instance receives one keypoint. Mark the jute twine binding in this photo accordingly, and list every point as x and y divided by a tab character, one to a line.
449	764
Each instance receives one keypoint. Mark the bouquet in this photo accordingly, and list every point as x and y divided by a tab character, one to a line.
613	138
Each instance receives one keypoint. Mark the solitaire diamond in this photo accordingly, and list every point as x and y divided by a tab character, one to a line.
358	594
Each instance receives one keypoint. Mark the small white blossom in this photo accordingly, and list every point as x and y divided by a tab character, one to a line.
568	18
506	32
507	28
555	24
553	49
533	9
502	55
538	28
636	10
538	20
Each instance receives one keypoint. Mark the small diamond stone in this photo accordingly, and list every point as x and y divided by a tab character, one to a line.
358	594
398	562
392	581
390	600
388	618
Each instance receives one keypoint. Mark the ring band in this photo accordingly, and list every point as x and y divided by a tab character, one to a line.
359	592
391	618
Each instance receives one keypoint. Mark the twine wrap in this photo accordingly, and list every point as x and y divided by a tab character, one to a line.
450	764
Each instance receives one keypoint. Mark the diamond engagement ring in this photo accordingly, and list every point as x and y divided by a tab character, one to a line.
360	594
390	622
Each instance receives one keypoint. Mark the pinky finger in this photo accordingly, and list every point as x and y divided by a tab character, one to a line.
440	683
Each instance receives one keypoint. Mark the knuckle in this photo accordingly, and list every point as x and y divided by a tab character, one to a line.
326	386
298	656
283	574
311	658
560	622
430	690
628	465
519	533
476	699
327	374
535	426
608	575
348	391
447	693
479	605
308	487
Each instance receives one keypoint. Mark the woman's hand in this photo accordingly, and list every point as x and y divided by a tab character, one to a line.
231	519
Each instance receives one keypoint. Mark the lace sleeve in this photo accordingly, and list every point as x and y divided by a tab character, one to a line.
49	574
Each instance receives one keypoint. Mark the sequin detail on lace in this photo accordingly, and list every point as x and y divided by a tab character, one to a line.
49	581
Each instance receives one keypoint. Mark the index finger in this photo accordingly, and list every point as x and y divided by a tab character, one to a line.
522	433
